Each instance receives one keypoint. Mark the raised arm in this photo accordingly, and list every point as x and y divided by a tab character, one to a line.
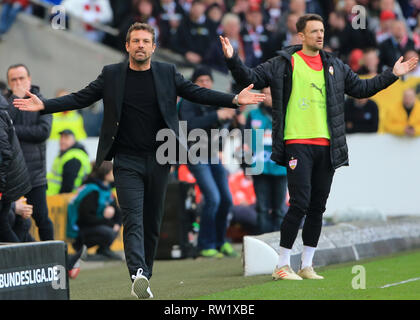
365	88
259	76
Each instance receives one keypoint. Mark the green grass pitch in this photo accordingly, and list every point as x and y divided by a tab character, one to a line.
223	279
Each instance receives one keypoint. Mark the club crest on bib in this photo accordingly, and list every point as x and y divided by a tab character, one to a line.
293	163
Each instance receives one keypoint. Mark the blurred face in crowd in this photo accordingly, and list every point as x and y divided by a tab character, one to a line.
313	35
140	46
231	26
398	30
409	98
197	10
371	60
336	21
387	5
204	81
291	22
215	14
19	81
268	101
66	141
273	3
410	54
254	18
348	5
297	6
145	8
109	177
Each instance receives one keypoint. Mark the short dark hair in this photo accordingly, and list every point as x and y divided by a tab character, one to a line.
101	171
140	26
17	65
303	20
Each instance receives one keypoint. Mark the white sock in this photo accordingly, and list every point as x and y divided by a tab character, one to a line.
284	257
307	256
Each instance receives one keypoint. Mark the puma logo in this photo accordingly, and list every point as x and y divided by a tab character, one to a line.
313	85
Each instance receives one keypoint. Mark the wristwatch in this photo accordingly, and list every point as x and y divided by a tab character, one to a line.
236	100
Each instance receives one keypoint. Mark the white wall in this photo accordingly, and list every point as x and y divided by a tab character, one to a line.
384	174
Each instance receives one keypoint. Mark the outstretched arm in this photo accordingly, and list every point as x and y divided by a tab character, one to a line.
260	76
195	93
78	100
358	88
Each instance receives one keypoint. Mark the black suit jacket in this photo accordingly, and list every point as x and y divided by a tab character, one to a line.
110	86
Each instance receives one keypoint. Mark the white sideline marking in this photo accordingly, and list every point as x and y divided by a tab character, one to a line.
398	283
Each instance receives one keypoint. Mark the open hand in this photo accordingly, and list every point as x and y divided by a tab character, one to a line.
402	68
33	103
227	47
248	97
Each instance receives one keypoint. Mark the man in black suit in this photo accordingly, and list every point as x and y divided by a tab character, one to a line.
139	100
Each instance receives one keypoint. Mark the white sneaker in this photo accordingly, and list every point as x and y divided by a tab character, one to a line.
140	287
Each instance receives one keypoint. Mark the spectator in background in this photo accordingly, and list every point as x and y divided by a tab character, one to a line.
395	46
19	220
361	115
209	172
14	178
297	7
240	8
142	11
387	19
272	15
90	11
404	119
95	219
214	14
370	63
70	167
355	38
255	37
9	12
290	37
32	130
67	119
231	25
408	55
170	15
271	185
195	35
334	33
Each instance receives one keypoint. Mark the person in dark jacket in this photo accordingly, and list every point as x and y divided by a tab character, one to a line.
32	130
14	178
361	115
70	167
308	87
128	135
19	219
209	172
98	216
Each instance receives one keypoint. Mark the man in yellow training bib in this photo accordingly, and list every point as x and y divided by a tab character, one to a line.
308	87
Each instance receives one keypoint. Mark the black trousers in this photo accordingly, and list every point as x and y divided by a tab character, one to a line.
38	198
309	176
141	185
6	232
